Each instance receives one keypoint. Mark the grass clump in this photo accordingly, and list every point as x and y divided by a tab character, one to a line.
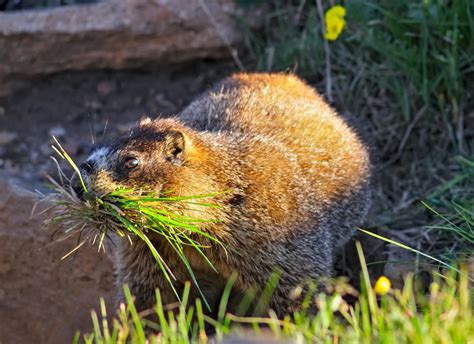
421	52
130	213
407	315
452	205
429	42
290	40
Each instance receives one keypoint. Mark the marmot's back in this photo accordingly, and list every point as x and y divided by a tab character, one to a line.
284	109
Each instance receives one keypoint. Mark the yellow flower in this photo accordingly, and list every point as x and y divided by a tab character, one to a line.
382	286
334	22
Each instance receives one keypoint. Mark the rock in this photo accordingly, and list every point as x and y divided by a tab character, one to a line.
137	100
93	104
7	137
45	149
57	131
162	101
105	88
114	34
44	299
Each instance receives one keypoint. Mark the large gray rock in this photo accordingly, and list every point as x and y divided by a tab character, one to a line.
42	298
115	34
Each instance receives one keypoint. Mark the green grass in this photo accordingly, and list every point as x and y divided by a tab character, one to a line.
289	41
442	315
429	43
452	205
412	49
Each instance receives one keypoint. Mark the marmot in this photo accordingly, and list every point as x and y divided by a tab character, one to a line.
298	178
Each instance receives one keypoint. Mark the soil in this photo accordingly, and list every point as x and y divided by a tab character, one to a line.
83	108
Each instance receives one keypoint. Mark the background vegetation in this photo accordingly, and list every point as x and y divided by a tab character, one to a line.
403	75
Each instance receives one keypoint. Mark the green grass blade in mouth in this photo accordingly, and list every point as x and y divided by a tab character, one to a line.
178	248
163	266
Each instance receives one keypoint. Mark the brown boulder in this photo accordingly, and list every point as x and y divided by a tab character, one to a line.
42	298
114	35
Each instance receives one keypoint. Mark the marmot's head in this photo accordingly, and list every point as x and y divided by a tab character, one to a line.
156	155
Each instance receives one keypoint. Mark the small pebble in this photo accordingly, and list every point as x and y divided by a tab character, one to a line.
105	88
93	104
7	137
57	131
46	149
162	101
137	100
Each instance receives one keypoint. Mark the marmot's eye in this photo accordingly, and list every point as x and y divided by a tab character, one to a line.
131	163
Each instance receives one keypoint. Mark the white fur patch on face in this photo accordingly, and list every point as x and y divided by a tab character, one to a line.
99	158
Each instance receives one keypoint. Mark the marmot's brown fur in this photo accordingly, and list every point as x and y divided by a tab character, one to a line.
298	177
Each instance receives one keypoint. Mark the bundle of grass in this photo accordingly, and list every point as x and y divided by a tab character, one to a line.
127	213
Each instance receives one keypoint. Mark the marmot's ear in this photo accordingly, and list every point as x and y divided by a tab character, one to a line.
174	147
